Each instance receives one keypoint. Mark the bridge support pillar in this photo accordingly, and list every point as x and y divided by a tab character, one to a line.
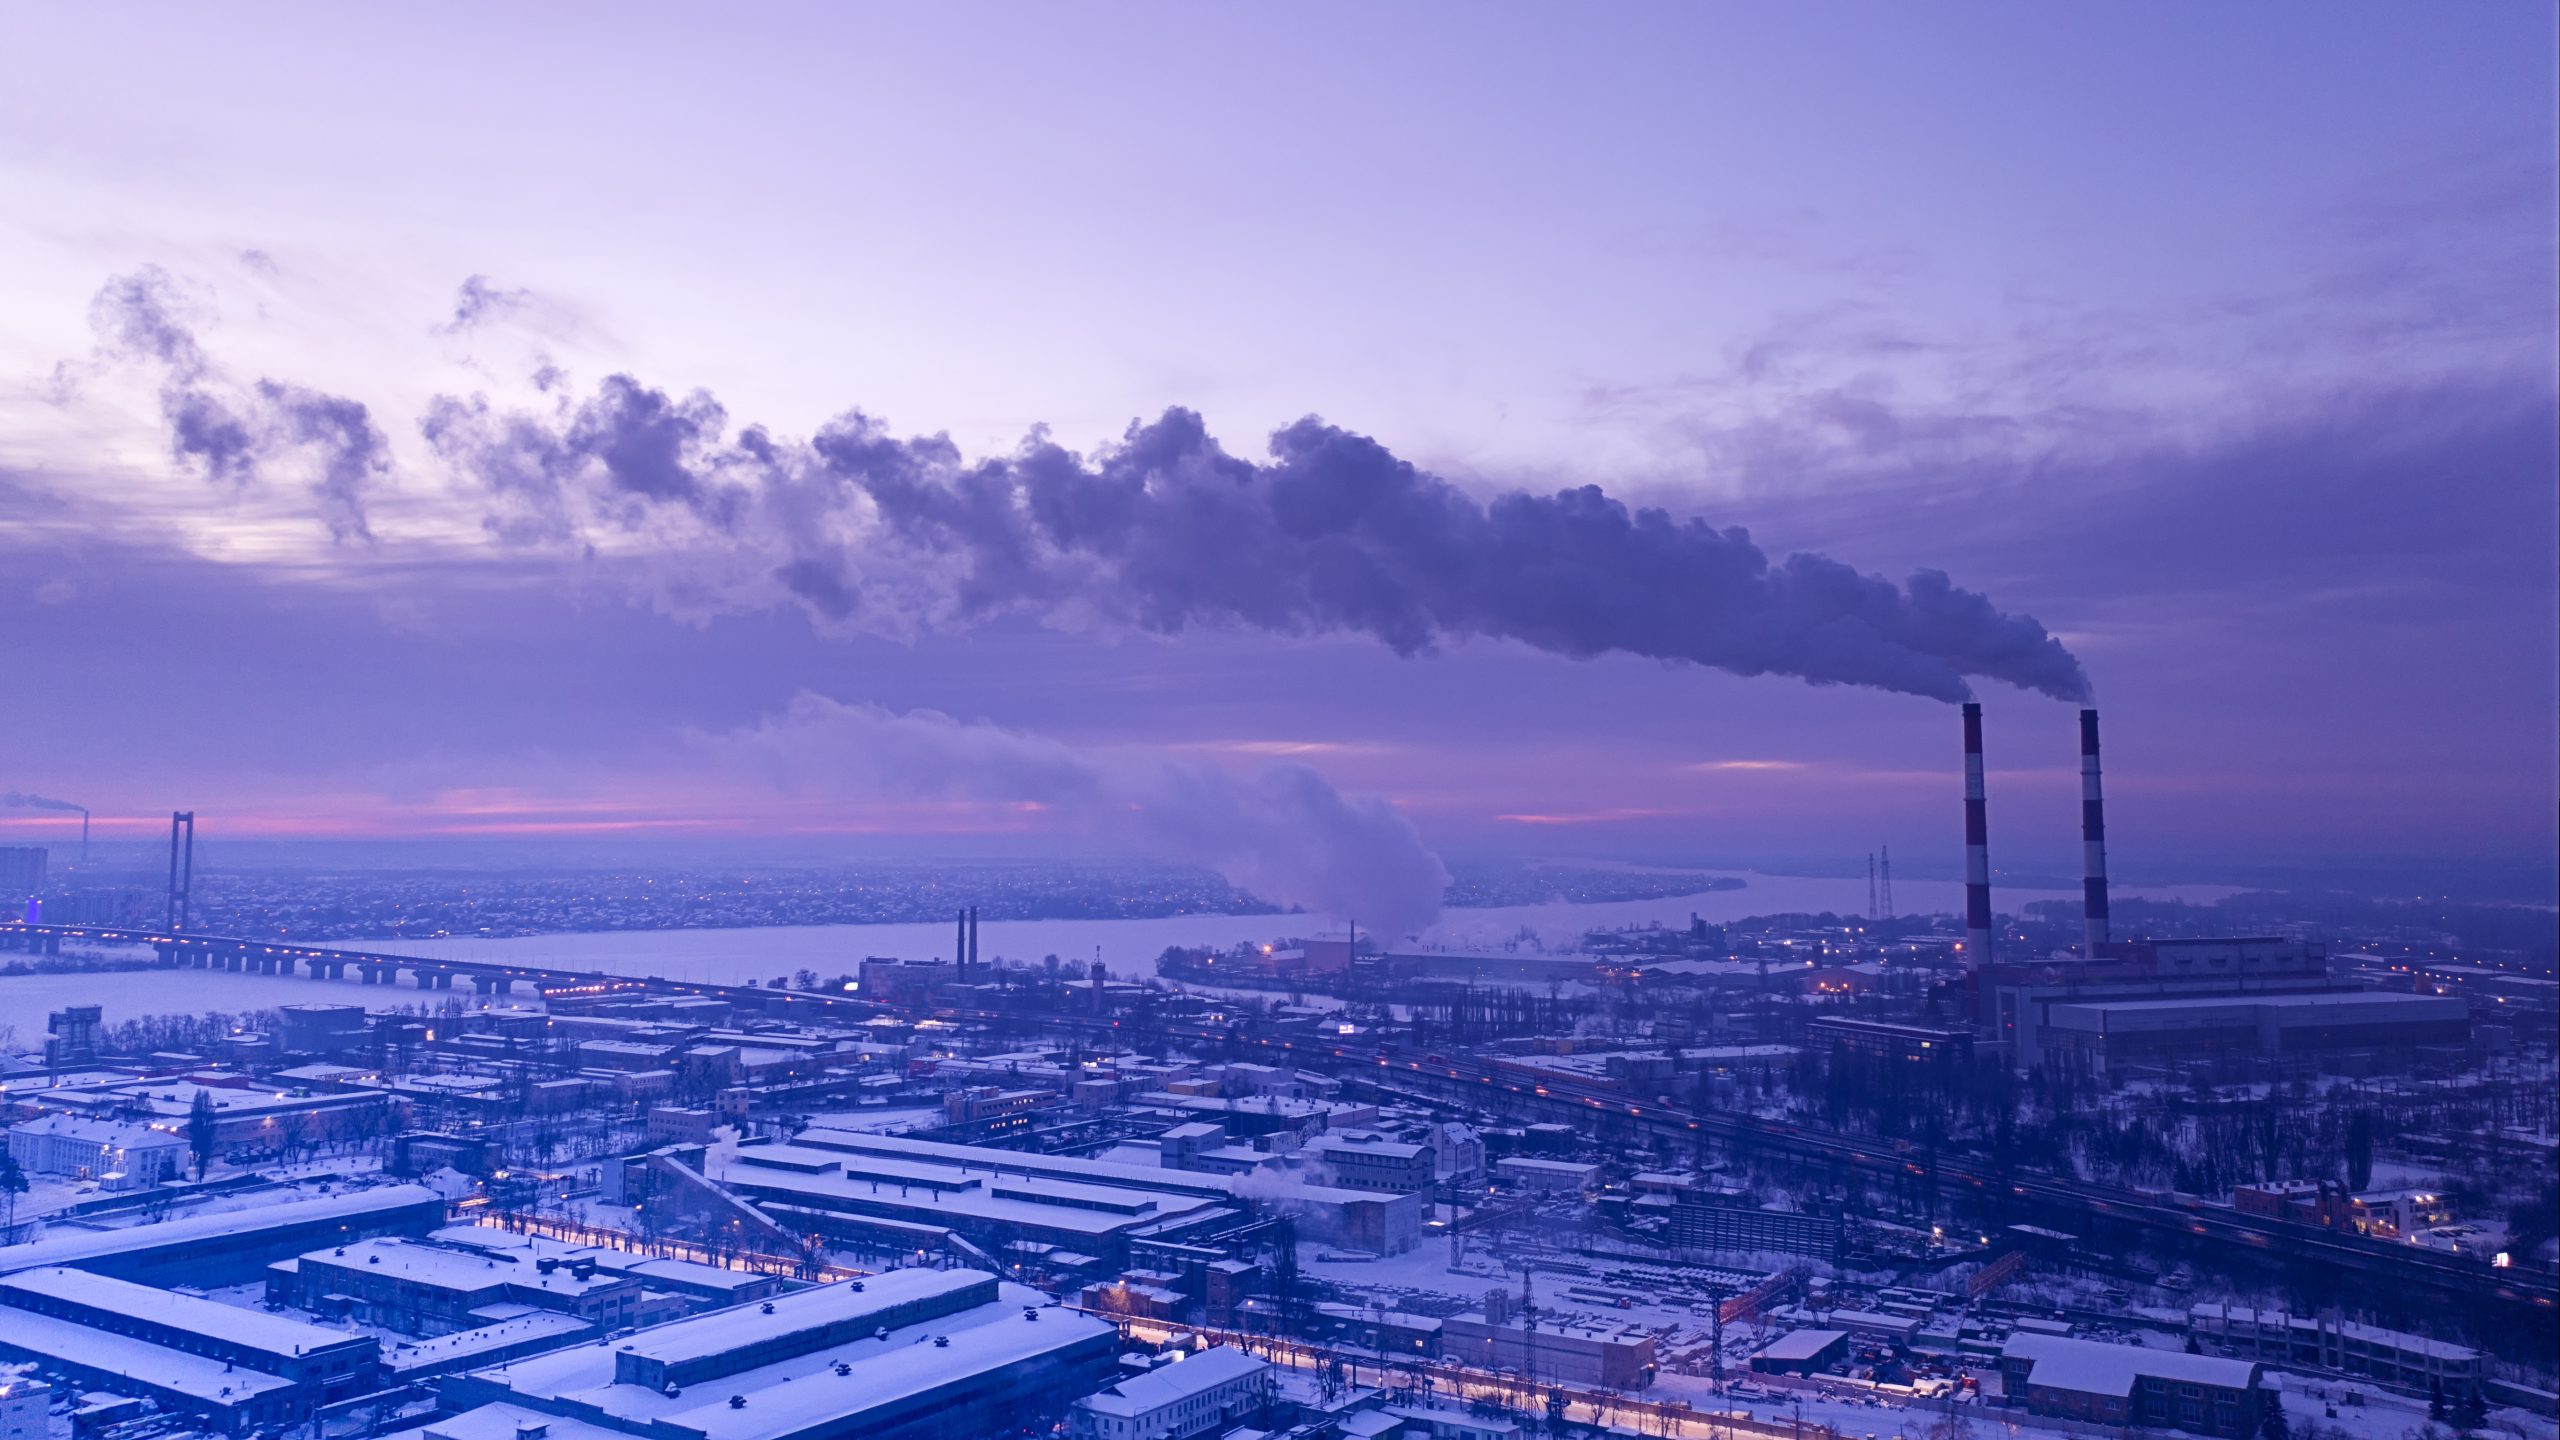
372	974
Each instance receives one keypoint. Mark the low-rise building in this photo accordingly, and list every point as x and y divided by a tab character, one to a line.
1362	1163
1802	1352
1206	1393
1556	1175
1617	1358
25	1401
229	1247
312	1365
2412	1363
2099	1383
1887	1040
114	1152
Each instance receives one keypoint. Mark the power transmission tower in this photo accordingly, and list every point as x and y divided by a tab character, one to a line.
1885	881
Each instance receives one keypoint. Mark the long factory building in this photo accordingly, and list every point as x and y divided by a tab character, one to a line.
856	1187
228	1247
233	1367
905	1355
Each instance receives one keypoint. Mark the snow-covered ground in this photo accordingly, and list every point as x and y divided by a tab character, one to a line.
25	1000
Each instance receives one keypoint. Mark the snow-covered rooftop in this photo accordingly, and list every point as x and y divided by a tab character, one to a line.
1176	1381
190	1314
794	1395
73	1248
198	1376
2097	1368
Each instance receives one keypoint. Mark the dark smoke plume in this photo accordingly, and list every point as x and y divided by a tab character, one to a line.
481	299
1165	531
21	800
233	437
1280	831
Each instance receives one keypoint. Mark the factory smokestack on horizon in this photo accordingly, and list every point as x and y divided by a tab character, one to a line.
2093	841
1977	845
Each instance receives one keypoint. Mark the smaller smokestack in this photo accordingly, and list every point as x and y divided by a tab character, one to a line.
1977	844
2093	841
973	939
960	946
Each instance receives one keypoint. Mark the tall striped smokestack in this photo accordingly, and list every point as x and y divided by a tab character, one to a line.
1977	845
2093	841
960	947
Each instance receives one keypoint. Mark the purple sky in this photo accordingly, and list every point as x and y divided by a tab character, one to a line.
2219	341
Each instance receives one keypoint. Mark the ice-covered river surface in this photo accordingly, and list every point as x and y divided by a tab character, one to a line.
1127	947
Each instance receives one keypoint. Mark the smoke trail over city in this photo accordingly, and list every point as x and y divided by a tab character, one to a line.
21	800
1165	531
1280	831
1162	530
235	435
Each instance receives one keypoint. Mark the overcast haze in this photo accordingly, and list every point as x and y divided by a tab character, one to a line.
2218	343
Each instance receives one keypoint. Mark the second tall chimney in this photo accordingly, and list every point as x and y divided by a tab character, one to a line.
1977	845
2093	841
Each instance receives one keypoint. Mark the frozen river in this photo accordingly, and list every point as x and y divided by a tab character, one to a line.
1128	947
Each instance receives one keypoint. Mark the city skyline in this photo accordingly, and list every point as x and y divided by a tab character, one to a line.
2235	377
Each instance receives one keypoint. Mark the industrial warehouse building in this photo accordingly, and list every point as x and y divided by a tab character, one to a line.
232	1247
1802	1352
421	1287
2103	1384
112	1331
1886	1040
860	1187
1619	1359
1720	1225
1529	1173
2098	1036
876	1200
906	1355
